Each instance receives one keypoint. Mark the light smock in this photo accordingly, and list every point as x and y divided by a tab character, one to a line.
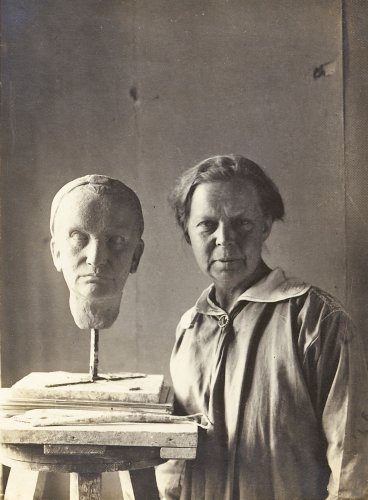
284	382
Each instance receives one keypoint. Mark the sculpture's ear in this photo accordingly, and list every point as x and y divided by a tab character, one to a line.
55	252
187	238
136	256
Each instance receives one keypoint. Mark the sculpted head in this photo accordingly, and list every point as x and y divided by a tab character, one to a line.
96	227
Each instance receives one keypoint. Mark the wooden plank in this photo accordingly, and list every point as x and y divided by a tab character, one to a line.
51	417
135	388
178	453
129	434
73	449
85	486
32	457
25	484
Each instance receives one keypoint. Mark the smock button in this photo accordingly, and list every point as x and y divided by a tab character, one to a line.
223	321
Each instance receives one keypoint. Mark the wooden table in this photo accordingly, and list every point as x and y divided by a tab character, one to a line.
86	452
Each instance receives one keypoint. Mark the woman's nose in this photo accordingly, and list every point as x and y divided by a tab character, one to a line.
97	253
224	234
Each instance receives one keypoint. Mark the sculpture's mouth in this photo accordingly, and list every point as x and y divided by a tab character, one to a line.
228	261
94	278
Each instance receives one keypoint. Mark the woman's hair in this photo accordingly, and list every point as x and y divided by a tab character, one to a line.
222	169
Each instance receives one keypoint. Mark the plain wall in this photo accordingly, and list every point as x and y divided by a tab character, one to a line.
356	159
142	90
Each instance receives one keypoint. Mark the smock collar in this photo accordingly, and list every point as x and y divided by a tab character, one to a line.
274	287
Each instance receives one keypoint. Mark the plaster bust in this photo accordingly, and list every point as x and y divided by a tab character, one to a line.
96	227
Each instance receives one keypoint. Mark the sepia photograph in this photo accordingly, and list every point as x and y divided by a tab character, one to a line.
184	250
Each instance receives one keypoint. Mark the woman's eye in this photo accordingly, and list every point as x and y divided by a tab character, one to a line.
244	224
117	242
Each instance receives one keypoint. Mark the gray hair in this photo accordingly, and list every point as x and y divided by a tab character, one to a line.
222	169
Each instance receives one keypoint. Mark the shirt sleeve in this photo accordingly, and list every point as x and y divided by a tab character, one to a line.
345	418
339	390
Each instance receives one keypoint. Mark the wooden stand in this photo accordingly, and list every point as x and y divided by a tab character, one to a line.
86	452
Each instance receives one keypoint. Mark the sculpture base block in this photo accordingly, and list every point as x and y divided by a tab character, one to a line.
134	388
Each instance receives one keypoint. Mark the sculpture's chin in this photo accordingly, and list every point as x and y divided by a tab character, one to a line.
94	313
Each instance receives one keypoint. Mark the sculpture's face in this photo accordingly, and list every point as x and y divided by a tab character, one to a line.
96	243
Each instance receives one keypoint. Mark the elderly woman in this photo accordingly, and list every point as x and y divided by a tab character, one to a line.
271	361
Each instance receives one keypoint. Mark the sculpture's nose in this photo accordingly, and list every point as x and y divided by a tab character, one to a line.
96	253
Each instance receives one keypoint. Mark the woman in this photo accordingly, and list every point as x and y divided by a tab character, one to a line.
271	361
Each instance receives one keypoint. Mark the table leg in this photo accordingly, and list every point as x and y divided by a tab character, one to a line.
25	484
144	484
85	486
126	485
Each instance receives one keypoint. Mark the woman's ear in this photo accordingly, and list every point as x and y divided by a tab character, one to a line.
137	256
268	221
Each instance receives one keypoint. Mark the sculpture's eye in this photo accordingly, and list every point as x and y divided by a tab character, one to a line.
78	239
207	226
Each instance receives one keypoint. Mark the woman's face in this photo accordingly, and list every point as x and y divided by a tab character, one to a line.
227	228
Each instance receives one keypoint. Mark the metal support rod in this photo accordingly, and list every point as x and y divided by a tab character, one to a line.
93	357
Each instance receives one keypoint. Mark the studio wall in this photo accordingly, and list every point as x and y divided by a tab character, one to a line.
142	90
356	160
